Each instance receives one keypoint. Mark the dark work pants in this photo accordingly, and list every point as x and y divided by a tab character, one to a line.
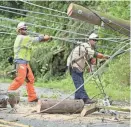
78	80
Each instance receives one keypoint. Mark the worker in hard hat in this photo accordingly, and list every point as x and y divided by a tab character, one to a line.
22	54
83	55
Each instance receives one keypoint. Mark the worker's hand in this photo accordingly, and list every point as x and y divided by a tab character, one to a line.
106	56
93	61
47	37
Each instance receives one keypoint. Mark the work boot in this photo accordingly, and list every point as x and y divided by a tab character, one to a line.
36	100
89	101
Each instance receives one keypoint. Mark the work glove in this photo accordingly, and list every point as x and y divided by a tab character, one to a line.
46	37
102	61
106	56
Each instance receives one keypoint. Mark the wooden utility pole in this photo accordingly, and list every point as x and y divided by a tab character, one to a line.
100	19
66	106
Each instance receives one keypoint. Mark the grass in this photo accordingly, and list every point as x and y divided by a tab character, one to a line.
116	92
54	96
65	84
7	80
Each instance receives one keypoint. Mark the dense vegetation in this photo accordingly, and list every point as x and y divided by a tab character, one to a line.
49	59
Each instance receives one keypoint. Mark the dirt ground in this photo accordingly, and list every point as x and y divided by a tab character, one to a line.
25	116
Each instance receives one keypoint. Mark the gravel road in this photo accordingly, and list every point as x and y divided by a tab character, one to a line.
96	119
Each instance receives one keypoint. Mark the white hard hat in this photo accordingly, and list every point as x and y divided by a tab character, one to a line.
93	36
21	25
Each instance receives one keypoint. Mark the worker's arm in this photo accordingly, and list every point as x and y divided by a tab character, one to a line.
41	38
101	56
45	38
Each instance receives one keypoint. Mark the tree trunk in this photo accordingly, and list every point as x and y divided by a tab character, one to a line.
93	17
66	106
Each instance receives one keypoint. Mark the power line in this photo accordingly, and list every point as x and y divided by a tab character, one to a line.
43	7
8	27
87	80
105	39
44	27
38	18
73	18
70	39
7	33
107	23
57	38
103	32
6	48
36	13
41	13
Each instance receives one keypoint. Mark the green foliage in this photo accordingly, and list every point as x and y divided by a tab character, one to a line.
54	96
120	9
24	93
45	62
118	71
13	4
66	85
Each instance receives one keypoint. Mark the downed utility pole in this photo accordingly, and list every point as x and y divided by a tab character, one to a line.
66	106
100	19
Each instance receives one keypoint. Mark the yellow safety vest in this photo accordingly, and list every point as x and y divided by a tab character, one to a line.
23	47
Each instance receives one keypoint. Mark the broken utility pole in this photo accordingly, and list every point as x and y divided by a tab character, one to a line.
66	106
100	19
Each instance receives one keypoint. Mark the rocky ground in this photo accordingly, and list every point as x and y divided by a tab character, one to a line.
25	115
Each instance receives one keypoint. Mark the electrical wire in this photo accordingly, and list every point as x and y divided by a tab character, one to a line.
44	27
43	7
94	74
58	38
41	13
6	48
82	84
105	22
117	40
106	39
7	33
73	18
39	18
30	12
38	13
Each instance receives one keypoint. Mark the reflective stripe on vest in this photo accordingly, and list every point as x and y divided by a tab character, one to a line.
22	47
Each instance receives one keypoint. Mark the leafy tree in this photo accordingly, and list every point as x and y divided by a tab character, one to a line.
49	59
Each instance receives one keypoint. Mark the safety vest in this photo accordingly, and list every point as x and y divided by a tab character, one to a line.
23	47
